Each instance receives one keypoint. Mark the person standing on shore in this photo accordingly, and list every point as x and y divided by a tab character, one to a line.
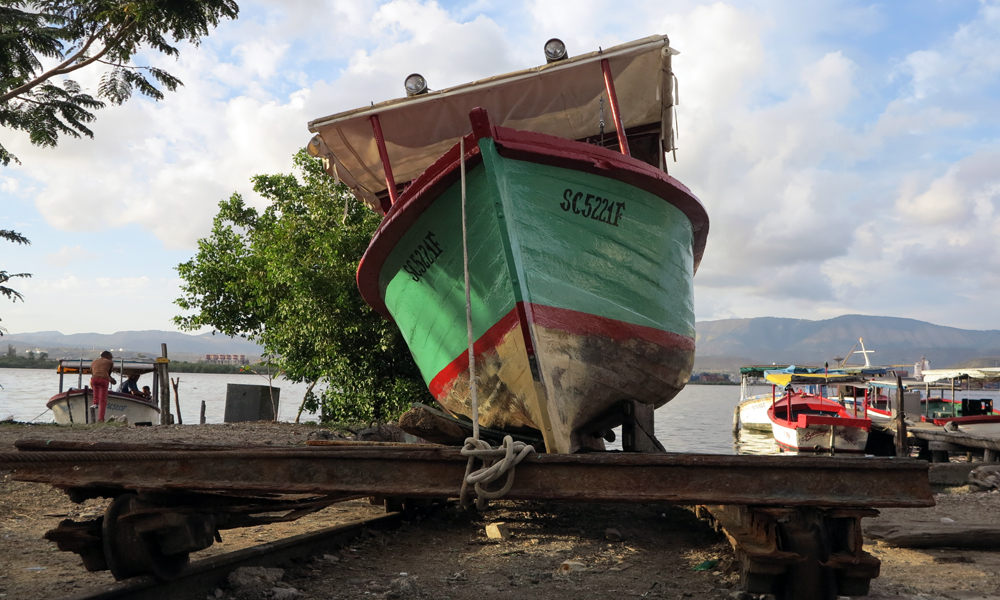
100	381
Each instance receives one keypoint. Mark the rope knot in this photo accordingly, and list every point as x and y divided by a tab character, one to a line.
496	463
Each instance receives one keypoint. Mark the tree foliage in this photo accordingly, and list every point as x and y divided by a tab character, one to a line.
284	277
75	34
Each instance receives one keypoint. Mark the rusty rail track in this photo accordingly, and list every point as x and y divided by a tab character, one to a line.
437	472
204	576
793	521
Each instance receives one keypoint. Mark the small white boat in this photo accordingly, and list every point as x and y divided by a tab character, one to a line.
751	412
72	407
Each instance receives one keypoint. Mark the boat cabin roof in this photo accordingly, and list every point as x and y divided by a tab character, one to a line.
985	374
72	366
562	99
811	376
759	370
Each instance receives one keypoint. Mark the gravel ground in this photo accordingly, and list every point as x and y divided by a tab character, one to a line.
447	554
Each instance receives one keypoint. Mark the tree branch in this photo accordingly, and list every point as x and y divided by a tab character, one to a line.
64	68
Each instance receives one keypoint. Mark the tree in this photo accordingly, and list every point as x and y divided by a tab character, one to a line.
11	294
284	277
75	34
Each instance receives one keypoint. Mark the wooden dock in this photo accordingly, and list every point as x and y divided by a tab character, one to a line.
937	441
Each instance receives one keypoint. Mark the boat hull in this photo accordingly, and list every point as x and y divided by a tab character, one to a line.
817	425
753	412
70	408
816	438
581	285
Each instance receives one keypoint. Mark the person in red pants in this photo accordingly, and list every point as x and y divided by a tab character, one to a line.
100	380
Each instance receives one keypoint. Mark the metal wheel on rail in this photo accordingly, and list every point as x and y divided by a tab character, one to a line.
130	553
804	533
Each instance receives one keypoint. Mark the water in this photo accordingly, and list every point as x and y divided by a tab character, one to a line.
25	392
699	420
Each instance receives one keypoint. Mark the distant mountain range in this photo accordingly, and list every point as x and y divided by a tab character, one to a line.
182	346
721	345
764	340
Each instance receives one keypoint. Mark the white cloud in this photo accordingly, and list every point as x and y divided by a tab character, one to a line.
67	255
826	182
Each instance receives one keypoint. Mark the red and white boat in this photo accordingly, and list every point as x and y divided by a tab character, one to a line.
803	422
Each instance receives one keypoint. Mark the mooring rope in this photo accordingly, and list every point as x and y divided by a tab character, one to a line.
496	461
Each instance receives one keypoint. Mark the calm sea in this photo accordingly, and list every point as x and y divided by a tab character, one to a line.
698	420
25	392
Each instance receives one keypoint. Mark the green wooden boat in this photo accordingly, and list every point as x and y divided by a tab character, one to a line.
581	257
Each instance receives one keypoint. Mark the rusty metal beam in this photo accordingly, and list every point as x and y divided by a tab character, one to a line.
436	472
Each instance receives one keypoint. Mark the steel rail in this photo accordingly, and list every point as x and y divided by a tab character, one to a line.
436	472
210	573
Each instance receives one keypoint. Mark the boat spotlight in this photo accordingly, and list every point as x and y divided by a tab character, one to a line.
315	146
555	50
415	84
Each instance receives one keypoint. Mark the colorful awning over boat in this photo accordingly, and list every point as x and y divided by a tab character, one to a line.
988	373
810	376
560	99
759	370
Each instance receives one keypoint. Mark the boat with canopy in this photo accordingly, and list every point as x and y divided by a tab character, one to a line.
808	421
580	248
72	406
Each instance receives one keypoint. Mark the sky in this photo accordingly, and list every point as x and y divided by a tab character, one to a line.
848	153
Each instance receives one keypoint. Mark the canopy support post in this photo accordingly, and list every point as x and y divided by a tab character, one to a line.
383	155
609	85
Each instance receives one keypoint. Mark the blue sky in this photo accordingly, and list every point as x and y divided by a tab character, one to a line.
848	153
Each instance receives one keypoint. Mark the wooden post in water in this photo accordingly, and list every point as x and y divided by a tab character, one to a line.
902	445
163	374
202	421
177	400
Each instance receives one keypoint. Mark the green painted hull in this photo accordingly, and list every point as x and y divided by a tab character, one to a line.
581	289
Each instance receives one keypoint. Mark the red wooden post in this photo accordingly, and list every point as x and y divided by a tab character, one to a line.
616	115
383	155
788	404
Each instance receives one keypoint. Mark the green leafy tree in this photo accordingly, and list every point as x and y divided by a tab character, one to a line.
285	278
75	34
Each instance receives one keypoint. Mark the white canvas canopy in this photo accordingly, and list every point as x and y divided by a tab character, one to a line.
989	373
560	99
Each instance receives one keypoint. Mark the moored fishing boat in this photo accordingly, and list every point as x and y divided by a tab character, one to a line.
808	422
72	406
756	397
948	395
580	258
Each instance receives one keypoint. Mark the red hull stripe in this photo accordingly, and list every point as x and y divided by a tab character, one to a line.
580	323
570	321
488	341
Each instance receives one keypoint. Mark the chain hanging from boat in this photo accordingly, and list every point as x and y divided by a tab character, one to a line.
496	461
601	117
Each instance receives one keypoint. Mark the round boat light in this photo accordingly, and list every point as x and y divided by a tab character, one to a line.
315	146
555	50
415	84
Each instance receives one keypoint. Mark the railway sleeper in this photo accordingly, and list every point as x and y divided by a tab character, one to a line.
797	553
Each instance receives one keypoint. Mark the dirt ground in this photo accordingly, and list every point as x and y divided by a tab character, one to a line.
447	554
